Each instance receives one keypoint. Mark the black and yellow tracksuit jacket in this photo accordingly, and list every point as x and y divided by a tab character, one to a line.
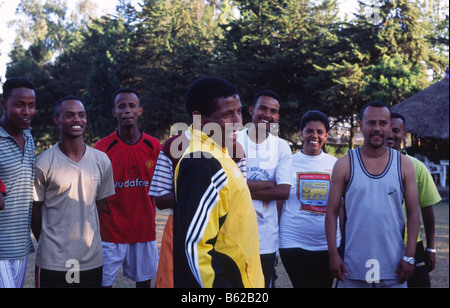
215	227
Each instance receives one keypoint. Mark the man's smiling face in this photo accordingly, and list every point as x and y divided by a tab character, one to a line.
19	108
265	112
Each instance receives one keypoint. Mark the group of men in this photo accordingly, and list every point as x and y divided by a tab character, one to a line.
92	210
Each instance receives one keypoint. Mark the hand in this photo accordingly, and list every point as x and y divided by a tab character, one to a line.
404	271
337	268
430	261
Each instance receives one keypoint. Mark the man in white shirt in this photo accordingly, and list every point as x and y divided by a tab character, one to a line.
268	171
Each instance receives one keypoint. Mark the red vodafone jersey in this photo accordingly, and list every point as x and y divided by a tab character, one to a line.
129	216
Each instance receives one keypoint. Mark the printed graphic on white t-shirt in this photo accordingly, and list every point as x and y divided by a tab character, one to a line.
312	191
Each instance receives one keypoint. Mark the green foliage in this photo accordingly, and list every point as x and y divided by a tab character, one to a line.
392	80
298	48
110	45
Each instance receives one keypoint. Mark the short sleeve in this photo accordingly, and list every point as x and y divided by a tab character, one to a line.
39	186
162	181
284	166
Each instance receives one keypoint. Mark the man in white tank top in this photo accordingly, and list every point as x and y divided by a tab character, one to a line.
373	180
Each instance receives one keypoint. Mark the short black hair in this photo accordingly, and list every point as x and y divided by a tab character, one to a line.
15	83
376	104
315	115
65	98
268	93
203	94
395	115
126	90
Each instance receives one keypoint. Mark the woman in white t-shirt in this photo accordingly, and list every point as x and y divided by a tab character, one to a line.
303	243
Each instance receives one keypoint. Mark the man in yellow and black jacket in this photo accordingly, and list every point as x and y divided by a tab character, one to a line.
215	227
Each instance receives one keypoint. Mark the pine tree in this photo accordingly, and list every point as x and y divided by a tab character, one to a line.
402	32
275	45
177	42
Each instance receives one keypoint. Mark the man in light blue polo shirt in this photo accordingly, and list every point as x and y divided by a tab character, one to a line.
17	162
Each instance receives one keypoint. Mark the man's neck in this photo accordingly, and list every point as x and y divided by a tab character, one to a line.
374	153
375	160
73	148
13	132
129	134
17	134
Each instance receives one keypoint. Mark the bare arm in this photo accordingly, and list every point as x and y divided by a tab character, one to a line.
280	205
165	202
339	181
36	219
2	202
254	186
277	192
428	223
101	205
405	270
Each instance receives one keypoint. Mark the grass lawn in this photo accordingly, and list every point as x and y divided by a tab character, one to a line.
439	277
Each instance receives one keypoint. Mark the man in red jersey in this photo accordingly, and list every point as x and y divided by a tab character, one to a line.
128	222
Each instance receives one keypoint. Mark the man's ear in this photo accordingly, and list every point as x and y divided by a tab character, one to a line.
197	120
251	109
56	120
277	117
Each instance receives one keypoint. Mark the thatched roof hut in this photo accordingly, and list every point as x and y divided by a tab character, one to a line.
427	112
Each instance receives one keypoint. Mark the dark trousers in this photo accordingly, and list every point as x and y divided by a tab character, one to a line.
307	269
421	277
55	279
268	267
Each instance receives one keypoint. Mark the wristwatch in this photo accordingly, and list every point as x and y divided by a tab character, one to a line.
409	260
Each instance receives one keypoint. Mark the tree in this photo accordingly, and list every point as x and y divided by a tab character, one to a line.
275	45
109	46
298	48
48	25
402	33
436	13
392	80
176	43
46	36
383	57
